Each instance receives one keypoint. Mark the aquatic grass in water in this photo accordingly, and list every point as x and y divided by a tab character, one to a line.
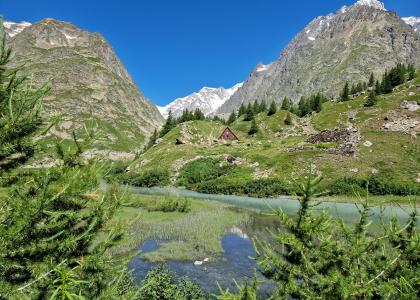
198	232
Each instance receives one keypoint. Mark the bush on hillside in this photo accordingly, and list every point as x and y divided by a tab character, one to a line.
201	170
149	178
265	187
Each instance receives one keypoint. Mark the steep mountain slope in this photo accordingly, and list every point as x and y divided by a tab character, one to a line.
347	45
90	85
208	100
360	141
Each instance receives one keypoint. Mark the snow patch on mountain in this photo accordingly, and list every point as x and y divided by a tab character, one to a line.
372	3
413	22
208	100
13	28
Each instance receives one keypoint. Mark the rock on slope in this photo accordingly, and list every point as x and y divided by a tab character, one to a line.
208	100
347	45
88	82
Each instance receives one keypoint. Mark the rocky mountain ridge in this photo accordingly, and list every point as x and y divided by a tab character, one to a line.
90	85
347	45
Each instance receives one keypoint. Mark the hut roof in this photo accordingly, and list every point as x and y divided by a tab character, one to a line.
228	134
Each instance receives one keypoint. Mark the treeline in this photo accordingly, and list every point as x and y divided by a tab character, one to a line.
390	79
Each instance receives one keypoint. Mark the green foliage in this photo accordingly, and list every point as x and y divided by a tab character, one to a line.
345	94
288	119
286	104
163	204
232	118
200	170
371	100
311	104
317	256
169	124
411	72
371	80
20	105
377	184
242	110
249	114
152	140
160	284
262	107
148	178
273	109
254	128
265	187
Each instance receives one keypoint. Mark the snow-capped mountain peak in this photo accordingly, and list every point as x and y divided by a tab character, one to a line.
13	28
207	99
413	22
372	3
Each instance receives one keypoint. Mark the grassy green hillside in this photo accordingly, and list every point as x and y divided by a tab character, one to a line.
381	136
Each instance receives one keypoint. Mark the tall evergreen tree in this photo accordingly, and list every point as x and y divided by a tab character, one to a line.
263	106
20	108
371	80
152	140
316	103
232	118
256	107
345	93
411	72
386	85
169	124
249	115
242	110
286	104
371	100
378	87
198	114
273	109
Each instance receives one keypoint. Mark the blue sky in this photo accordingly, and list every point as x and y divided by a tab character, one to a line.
174	47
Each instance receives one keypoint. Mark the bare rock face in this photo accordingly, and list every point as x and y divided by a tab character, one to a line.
347	45
89	83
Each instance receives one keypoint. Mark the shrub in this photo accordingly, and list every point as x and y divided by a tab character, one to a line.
149	178
201	170
269	187
161	284
378	184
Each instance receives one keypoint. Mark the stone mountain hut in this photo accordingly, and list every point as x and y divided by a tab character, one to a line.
228	135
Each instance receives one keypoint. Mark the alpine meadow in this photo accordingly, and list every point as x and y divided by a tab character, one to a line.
299	181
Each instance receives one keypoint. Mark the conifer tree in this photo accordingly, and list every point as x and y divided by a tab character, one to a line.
411	72
273	109
345	93
316	102
198	115
152	140
232	118
169	124
371	101
353	89
242	110
256	107
286	104
20	106
386	85
263	106
288	119
371	80
254	127
378	88
249	115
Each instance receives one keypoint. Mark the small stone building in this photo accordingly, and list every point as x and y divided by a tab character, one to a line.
228	135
